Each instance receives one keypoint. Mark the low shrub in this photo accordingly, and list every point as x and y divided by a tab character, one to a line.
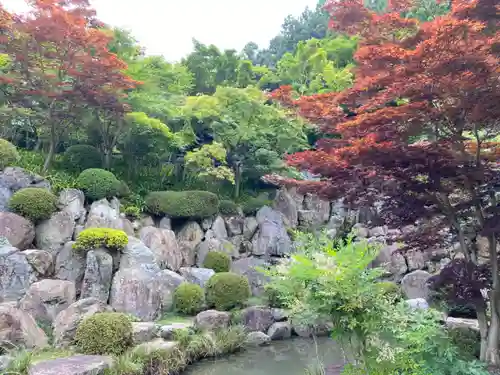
78	158
188	299
217	261
104	333
391	290
8	154
254	204
274	297
94	238
133	212
97	184
227	290
183	204
228	207
122	190
34	204
467	341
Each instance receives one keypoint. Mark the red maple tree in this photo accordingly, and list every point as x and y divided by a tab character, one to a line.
417	129
62	65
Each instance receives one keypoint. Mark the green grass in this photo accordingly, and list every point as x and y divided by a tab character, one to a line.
169	318
24	359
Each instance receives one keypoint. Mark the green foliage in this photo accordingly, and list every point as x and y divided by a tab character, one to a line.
94	238
123	190
98	184
35	204
467	341
209	163
104	333
188	299
217	261
391	290
8	154
227	290
192	204
253	204
228	207
77	158
132	212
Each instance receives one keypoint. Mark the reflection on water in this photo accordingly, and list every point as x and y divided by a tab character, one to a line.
289	357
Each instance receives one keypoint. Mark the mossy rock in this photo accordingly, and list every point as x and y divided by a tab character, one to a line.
8	154
188	299
94	238
226	290
78	158
183	204
35	204
98	184
217	261
104	333
391	290
228	208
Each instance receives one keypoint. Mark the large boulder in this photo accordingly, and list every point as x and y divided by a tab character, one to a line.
137	291
104	214
189	237
74	365
287	205
98	274
41	261
319	206
136	254
19	329
219	228
19	231
248	267
169	281
250	226
234	225
52	234
13	179
70	265
209	245
257	339
257	318
144	332
414	285
45	299
272	238
67	321
16	274
164	246
198	276
416	259
280	331
72	201
212	319
391	260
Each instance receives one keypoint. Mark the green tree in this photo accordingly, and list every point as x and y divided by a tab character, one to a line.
209	163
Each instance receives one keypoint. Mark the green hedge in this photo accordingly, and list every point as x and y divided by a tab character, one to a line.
8	154
254	204
228	207
182	204
78	158
217	261
188	299
94	238
226	290
104	333
98	184
35	204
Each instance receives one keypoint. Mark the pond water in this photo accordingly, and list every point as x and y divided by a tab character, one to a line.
288	357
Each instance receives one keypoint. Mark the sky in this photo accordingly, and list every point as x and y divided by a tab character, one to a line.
167	27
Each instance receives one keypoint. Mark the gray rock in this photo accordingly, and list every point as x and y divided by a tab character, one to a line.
280	331
207	246
165	223
70	265
198	276
16	274
319	207
415	259
167	332
19	329
318	329
279	315
417	304
103	214
52	234
5	362
219	228
212	319
257	318
127	226
287	205
98	274
72	201
378	231
250	226
189	237
461	323
414	285
136	254
257	339
144	332
41	261
68	320
272	238
234	225
207	222
240	246
156	345
19	231
392	261
75	365
136	291
247	267
45	299
13	179
164	246
169	281
361	230
146	221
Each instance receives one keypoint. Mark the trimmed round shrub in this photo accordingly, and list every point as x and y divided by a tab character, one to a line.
227	290
188	299
77	158
34	204
122	189
104	333
97	184
94	238
228	207
8	154
182	204
217	261
254	204
133	212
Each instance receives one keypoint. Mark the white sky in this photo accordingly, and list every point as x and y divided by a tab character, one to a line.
167	27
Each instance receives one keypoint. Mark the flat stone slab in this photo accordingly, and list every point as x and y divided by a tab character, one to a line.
75	365
167	331
461	323
157	344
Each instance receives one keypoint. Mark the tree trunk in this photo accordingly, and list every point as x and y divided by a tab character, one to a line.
492	355
482	319
49	157
107	158
237	181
